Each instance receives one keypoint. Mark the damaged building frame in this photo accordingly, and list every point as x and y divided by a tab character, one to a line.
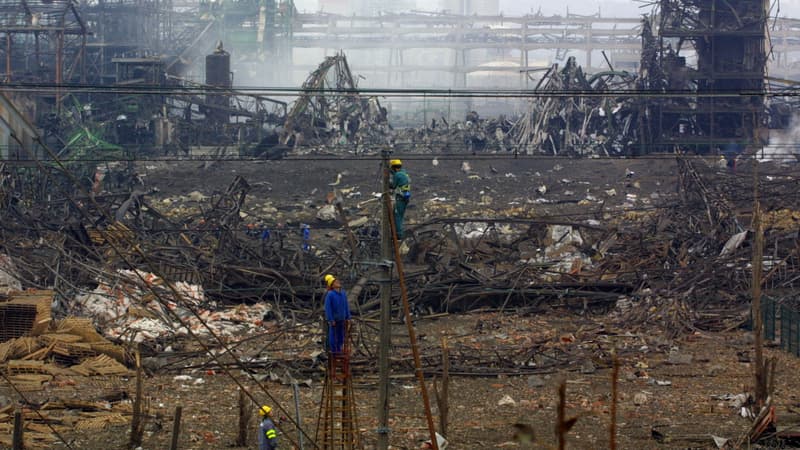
711	54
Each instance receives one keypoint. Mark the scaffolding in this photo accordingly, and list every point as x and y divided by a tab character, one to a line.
42	41
337	425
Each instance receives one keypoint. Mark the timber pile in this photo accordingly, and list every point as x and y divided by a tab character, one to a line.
44	364
48	348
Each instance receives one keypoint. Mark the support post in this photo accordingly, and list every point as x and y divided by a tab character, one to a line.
137	424
758	325
176	428
612	441
297	417
16	441
59	67
561	430
8	57
244	420
385	318
443	397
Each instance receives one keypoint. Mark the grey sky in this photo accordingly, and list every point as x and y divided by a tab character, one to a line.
609	8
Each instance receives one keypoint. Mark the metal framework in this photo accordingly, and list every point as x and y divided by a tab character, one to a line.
709	53
42	40
315	108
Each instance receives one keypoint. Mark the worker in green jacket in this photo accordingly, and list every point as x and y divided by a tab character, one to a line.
401	183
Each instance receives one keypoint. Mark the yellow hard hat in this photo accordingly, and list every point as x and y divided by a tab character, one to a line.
395	162
264	410
329	279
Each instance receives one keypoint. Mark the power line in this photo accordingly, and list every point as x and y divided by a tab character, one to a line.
277	91
404	156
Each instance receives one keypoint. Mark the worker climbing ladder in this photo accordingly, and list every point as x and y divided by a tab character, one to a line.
337	426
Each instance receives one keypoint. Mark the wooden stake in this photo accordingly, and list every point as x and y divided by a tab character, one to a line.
758	325
17	443
244	420
443	399
612	441
137	424
560	432
176	428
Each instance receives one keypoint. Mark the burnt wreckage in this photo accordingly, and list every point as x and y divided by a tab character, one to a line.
699	84
718	103
700	87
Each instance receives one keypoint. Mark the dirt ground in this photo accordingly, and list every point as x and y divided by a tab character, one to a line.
683	401
683	398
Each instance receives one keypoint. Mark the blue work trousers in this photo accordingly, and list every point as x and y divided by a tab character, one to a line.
336	335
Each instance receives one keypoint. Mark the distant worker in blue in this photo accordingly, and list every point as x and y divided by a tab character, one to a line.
337	314
267	434
401	183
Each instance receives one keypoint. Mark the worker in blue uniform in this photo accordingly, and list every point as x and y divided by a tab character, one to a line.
400	182
337	313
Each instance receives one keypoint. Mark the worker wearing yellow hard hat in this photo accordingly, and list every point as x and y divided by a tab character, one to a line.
267	435
337	314
401	183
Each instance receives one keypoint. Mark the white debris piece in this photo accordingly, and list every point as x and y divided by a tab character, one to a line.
733	243
125	306
471	230
327	213
507	401
196	196
441	443
338	180
720	442
465	167
563	247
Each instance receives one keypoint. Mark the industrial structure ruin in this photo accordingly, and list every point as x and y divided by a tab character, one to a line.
599	206
728	41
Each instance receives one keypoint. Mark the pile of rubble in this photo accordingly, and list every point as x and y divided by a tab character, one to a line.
135	307
570	115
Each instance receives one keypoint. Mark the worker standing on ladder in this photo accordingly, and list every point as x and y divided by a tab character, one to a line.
337	314
267	434
401	183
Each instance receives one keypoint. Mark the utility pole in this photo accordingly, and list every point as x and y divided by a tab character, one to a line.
386	313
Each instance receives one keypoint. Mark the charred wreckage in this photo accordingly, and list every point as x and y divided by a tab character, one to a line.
77	218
